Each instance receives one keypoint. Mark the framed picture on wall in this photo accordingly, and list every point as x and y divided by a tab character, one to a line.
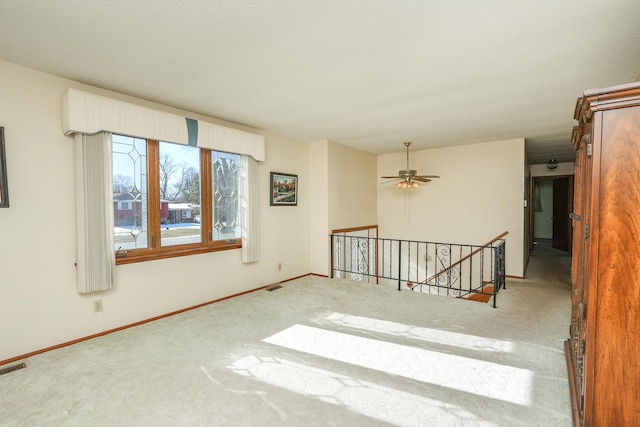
4	186
284	189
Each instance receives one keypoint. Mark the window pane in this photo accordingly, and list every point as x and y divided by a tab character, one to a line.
130	192
179	194
225	181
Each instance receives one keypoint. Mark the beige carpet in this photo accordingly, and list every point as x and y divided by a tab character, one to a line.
318	352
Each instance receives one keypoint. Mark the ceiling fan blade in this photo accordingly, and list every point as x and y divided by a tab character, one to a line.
395	178
408	176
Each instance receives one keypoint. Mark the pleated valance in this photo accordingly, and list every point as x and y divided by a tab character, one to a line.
88	113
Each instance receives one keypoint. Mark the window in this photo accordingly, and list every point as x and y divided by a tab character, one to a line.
180	199
179	180
224	183
100	157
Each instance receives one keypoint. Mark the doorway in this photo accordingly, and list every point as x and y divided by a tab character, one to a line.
552	203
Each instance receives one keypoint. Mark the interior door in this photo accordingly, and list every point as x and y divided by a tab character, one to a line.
562	197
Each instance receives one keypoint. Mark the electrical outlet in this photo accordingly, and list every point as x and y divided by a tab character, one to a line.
279	266
97	305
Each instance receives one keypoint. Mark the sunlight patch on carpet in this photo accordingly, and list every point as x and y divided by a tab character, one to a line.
363	397
471	342
479	377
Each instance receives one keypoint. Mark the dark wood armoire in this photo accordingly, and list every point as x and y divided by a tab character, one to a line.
603	349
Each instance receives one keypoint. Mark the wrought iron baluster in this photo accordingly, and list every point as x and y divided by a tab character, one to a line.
333	251
440	268
400	266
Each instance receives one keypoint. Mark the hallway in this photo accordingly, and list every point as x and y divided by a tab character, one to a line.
549	264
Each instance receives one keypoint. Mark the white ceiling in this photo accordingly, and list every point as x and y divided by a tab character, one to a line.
368	74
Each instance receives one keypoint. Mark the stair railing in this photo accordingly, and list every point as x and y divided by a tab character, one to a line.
455	270
484	287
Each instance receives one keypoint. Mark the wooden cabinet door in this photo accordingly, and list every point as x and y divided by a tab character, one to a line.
602	352
580	221
613	343
580	266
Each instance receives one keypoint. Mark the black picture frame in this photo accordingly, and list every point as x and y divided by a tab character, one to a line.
284	189
4	185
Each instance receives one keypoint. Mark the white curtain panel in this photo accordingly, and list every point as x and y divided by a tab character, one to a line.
249	210
96	259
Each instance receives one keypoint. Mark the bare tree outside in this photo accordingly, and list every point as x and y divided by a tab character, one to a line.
190	192
167	170
179	182
179	169
183	177
122	183
129	192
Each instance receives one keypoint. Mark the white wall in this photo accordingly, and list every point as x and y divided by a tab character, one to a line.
40	305
352	187
344	195
565	168
319	206
480	194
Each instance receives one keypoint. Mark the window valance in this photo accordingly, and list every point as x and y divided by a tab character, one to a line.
88	113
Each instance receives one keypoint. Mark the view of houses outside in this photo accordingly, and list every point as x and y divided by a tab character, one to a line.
180	214
180	189
129	192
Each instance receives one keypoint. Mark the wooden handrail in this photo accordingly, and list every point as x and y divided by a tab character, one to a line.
352	229
460	261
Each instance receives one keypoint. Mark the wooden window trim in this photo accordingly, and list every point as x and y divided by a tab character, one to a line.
155	251
141	255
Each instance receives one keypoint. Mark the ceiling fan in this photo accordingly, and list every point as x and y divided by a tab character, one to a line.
409	178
